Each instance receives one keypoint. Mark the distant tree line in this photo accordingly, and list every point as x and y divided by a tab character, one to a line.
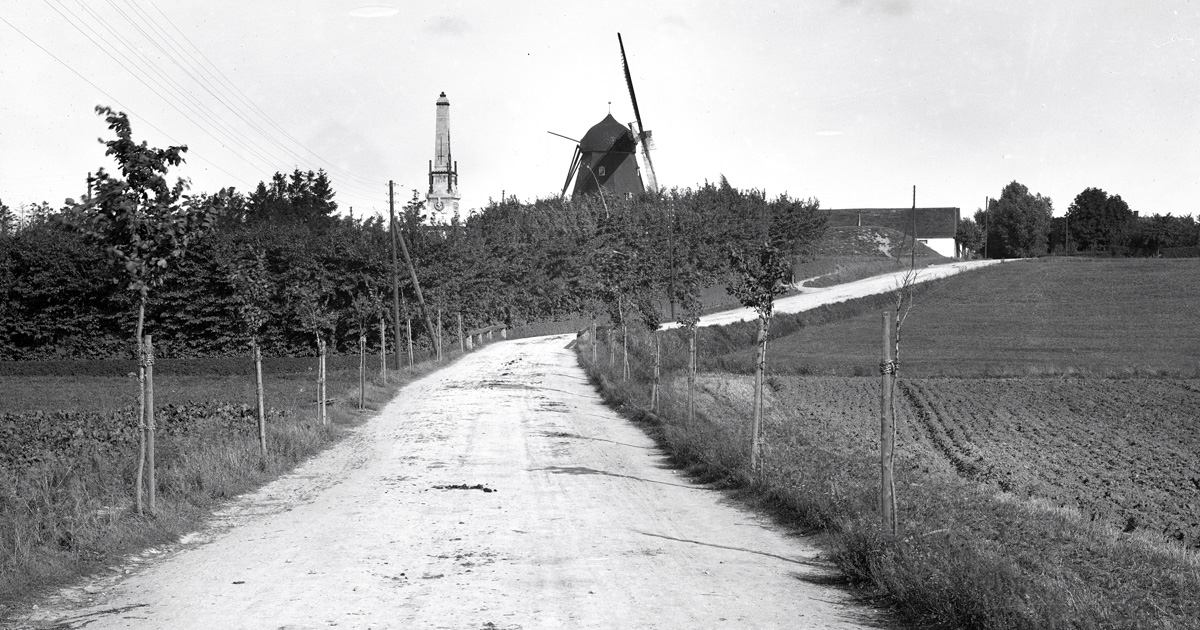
314	271
1020	223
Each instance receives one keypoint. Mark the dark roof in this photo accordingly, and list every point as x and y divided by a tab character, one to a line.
604	135
931	222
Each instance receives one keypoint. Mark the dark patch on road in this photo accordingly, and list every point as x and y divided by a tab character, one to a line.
463	486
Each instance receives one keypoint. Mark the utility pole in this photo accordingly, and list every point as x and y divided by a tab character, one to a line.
913	255
417	288
986	212
395	270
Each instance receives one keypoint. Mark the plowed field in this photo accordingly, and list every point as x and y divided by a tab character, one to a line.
1125	452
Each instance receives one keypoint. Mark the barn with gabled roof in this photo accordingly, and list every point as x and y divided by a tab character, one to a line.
936	227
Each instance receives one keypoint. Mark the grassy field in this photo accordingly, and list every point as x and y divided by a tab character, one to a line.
1055	316
1040	493
66	497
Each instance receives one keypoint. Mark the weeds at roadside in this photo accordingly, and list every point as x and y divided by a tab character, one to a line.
966	556
71	513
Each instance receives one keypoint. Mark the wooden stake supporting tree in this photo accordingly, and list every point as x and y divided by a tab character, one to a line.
142	223
408	339
151	484
383	348
887	430
462	345
309	294
362	371
362	308
889	368
437	341
252	295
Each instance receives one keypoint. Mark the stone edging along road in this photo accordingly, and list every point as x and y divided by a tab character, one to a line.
499	492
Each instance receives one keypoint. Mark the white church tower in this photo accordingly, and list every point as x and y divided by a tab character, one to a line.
443	171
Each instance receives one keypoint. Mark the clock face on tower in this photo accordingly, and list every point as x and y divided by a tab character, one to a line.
438	204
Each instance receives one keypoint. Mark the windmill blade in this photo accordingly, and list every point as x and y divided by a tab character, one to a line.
574	167
643	135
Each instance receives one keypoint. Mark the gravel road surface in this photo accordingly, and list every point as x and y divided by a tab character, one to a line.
497	493
814	297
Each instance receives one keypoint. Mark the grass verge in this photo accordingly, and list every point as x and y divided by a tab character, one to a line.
72	511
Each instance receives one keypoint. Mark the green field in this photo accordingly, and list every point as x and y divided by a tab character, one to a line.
1055	316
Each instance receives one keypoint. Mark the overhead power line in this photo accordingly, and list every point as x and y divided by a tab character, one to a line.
116	100
127	54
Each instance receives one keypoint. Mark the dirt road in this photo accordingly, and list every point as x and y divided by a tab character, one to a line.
813	297
496	493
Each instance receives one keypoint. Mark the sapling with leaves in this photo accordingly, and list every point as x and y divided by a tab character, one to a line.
143	223
375	296
772	235
252	295
363	309
310	297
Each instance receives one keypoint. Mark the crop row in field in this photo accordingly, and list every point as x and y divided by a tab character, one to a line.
1126	452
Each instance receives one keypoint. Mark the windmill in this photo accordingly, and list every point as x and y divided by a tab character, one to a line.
606	156
644	137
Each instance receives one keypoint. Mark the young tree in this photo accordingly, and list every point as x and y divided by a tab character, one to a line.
142	223
768	240
252	294
310	294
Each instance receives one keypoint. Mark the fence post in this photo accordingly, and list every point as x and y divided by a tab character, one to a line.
887	431
362	370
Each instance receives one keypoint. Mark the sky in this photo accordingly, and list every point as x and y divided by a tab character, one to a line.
852	102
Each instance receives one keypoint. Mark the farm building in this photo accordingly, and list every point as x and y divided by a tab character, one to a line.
936	227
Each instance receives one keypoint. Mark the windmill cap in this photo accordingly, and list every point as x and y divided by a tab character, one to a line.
604	135
442	100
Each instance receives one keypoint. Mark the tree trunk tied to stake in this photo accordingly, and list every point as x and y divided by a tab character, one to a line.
150	482
887	430
258	389
141	355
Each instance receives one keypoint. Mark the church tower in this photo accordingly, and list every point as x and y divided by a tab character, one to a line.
443	171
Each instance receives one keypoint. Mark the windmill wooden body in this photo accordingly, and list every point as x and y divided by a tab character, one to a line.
606	158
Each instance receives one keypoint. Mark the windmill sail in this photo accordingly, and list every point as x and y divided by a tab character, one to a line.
643	136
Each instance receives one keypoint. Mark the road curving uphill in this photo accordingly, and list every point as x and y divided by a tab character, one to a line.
812	298
497	493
